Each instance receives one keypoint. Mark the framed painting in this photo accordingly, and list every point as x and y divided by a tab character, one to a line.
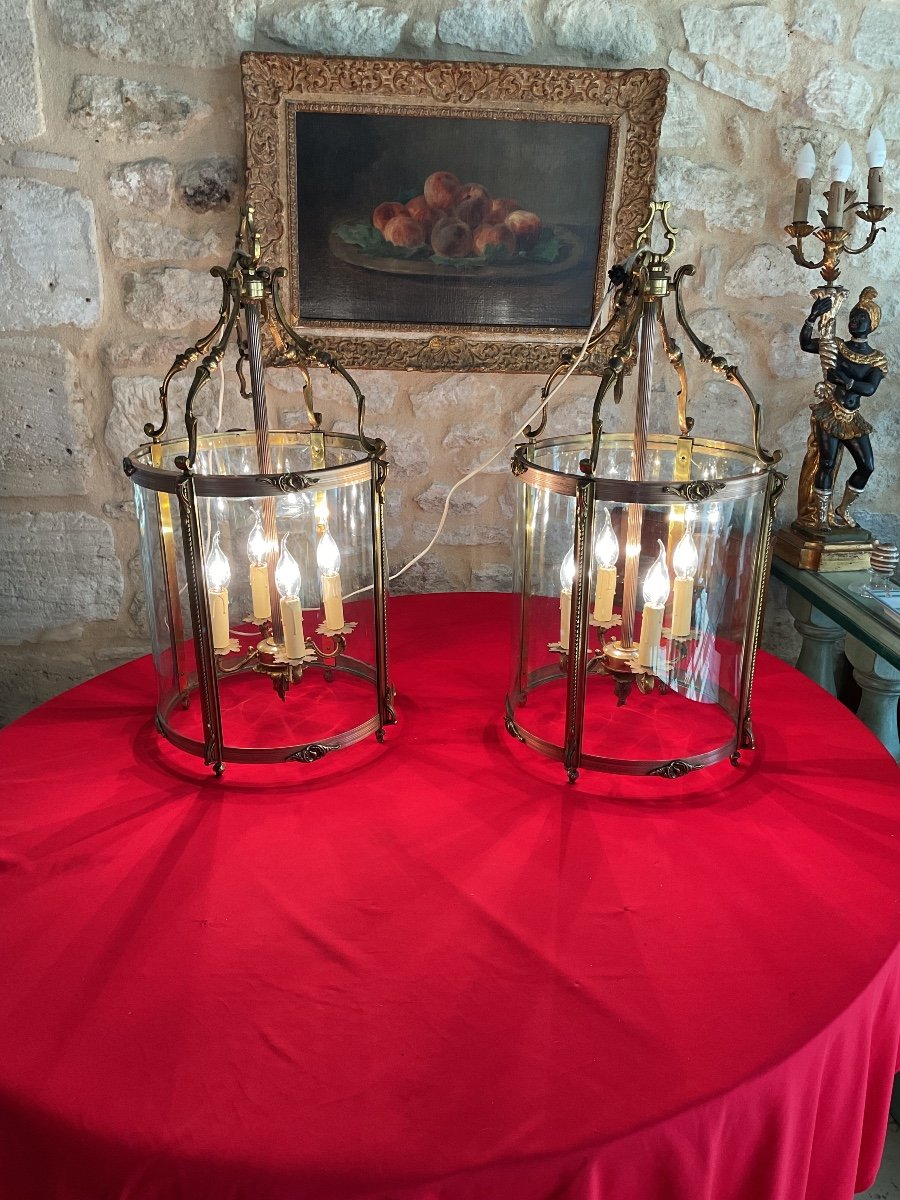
446	215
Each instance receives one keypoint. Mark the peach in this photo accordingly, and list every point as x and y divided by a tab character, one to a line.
386	212
420	210
469	191
473	210
526	226
440	190
404	231
495	235
500	210
451	238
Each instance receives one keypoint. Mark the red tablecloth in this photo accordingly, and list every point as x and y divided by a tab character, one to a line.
434	970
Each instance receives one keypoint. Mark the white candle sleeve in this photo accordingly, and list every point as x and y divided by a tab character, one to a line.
292	623
331	598
876	187
836	194
565	612
259	592
604	593
801	201
218	615
682	607
651	632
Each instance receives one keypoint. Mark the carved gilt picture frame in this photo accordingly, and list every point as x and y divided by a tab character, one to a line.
331	140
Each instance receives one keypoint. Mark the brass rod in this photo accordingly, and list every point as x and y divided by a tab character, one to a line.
263	457
647	338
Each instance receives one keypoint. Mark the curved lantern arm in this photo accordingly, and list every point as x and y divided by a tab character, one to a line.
184	360
722	366
622	354
676	358
207	368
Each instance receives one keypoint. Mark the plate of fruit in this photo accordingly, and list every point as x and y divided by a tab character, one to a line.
455	229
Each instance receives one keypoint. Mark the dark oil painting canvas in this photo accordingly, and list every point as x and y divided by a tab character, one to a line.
447	220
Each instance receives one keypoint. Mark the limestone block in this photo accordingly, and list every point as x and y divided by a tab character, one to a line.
47	448
128	109
787	360
685	64
492	577
137	609
58	571
462	501
764	271
209	184
751	36
21	99
463	535
820	20
737	133
329	27
684	124
709	272
146	184
888	120
612	33
432	574
422	34
717	329
31	678
501	27
452	392
840	97
172	298
739	87
406	453
149	241
49	273
725	201
877	41
485	435
135	401
43	160
188	33
332	395
138	356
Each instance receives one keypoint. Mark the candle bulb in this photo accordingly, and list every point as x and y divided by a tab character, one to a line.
656	593
606	551
287	580
258	553
876	156
804	169
218	577
328	558
685	562
566	580
841	166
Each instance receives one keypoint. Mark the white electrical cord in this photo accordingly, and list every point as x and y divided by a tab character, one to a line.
518	433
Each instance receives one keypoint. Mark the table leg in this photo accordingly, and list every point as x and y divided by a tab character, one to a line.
880	685
820	635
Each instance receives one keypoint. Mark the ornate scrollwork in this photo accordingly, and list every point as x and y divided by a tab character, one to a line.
518	464
511	729
128	466
309	754
676	769
290	481
695	490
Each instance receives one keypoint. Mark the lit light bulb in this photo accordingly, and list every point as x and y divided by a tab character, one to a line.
218	572
656	583
287	572
685	559
567	571
257	544
321	509
328	557
805	166
842	164
606	548
714	517
876	150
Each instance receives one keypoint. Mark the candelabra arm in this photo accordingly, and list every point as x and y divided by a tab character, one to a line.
722	367
874	231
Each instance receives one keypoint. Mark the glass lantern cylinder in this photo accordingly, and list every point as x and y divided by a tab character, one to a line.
264	561
641	564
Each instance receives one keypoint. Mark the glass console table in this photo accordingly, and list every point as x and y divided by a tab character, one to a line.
825	607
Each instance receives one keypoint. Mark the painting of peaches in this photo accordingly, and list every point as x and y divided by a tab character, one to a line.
445	220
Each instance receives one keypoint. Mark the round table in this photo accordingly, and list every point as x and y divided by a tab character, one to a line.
433	969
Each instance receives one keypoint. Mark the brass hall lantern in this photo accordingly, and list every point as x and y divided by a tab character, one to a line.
641	560
263	554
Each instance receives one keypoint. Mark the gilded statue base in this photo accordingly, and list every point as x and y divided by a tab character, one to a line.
836	550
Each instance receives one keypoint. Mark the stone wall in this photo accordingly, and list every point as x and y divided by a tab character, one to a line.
120	170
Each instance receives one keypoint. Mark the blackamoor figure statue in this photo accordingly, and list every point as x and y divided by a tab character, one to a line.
852	369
